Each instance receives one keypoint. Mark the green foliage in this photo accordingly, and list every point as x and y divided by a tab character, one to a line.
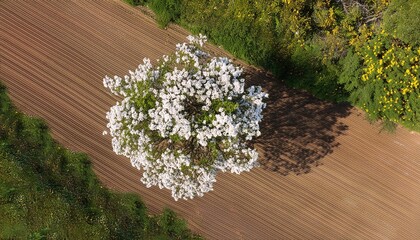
209	116
146	102
166	11
172	227
228	106
403	19
48	192
383	79
308	72
135	2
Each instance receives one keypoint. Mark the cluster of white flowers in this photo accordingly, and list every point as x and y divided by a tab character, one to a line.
186	119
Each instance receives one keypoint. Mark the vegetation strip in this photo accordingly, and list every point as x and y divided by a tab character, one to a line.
364	52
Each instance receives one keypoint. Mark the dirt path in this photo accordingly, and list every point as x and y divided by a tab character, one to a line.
54	55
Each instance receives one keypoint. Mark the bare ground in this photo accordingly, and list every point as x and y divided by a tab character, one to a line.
363	184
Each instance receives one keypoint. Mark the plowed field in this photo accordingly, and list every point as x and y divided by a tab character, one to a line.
363	183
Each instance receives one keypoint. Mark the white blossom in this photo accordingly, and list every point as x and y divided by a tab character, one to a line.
185	120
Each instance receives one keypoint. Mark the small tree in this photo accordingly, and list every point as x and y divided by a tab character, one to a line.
186	119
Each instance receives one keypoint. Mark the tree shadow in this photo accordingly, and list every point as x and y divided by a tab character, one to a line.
297	130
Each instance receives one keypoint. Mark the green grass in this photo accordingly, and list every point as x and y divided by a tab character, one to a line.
49	192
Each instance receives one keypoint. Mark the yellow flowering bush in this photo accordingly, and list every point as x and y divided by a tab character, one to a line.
386	81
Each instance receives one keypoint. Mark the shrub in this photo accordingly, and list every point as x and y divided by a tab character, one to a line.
383	79
185	119
403	19
166	11
172	226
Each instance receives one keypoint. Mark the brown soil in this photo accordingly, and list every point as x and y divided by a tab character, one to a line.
54	55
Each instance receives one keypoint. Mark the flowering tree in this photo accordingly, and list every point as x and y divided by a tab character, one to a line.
185	120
